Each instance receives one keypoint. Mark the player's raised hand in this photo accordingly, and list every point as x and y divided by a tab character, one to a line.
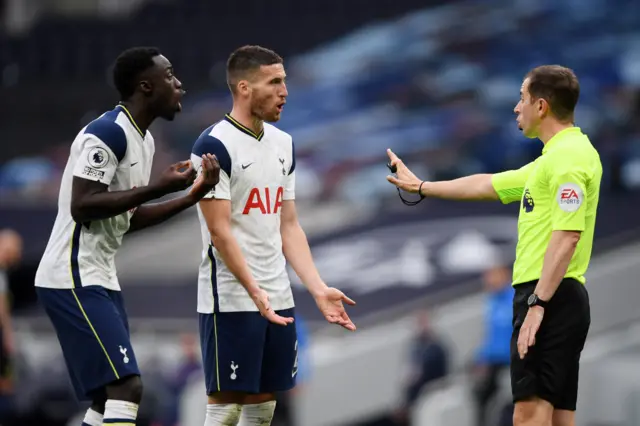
177	177
261	299
330	303
405	179
209	177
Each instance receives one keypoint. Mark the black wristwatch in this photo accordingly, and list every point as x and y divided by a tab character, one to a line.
534	300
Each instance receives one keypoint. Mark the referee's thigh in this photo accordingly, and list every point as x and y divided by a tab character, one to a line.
550	370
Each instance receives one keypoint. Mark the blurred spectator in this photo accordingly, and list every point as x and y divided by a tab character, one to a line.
10	255
428	361
493	356
189	365
285	413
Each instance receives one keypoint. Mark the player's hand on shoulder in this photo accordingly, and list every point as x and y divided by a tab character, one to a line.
261	299
177	177
209	177
330	303
404	179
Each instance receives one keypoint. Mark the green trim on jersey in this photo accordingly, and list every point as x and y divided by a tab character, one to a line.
558	191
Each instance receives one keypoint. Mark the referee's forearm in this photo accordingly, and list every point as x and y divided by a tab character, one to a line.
470	188
560	250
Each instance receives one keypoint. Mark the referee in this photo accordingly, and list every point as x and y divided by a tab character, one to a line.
559	194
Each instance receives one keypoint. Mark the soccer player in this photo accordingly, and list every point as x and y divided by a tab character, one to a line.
559	194
249	227
103	189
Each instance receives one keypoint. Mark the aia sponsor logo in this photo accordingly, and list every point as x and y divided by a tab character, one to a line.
265	200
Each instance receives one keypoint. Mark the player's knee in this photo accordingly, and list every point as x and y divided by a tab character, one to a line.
534	412
258	414
127	389
223	414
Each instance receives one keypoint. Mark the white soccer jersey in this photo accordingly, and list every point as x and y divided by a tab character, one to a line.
111	150
257	175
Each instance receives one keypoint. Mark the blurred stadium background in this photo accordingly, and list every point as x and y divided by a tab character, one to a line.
434	80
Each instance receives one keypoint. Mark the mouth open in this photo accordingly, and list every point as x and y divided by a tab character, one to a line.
179	96
280	107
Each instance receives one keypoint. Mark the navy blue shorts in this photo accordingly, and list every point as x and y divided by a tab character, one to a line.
243	352
93	330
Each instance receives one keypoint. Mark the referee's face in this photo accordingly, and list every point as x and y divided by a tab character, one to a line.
527	117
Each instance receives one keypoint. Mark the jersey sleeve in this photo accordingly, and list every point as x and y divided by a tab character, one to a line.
207	144
510	185
290	182
104	145
568	185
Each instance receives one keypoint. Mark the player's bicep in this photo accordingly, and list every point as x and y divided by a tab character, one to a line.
568	185
217	214
206	144
510	185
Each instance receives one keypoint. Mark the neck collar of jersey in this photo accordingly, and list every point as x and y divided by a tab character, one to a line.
130	117
244	129
562	134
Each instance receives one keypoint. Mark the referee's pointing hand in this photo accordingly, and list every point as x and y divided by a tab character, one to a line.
530	326
405	179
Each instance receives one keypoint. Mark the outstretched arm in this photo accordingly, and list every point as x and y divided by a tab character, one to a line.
506	187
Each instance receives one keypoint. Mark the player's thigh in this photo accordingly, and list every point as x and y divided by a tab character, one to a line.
280	361
118	303
232	349
94	340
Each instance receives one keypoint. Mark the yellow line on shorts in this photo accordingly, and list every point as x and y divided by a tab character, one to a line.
215	332
97	337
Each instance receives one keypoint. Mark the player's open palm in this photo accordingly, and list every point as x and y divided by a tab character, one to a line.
330	303
405	179
177	177
261	299
209	177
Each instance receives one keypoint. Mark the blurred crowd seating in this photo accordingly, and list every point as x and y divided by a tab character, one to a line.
438	85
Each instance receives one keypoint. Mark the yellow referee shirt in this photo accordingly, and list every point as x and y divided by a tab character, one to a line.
558	191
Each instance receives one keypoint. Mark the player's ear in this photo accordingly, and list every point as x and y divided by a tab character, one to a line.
146	87
242	87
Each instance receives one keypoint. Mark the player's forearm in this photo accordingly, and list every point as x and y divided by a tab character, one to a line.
226	244
298	254
106	204
475	187
153	214
560	250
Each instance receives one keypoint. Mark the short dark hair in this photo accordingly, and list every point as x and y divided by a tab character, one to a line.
128	67
247	59
557	85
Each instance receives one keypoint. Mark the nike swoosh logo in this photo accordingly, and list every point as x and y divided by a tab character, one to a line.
244	166
133	164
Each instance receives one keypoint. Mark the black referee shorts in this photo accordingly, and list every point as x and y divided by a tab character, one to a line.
550	369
